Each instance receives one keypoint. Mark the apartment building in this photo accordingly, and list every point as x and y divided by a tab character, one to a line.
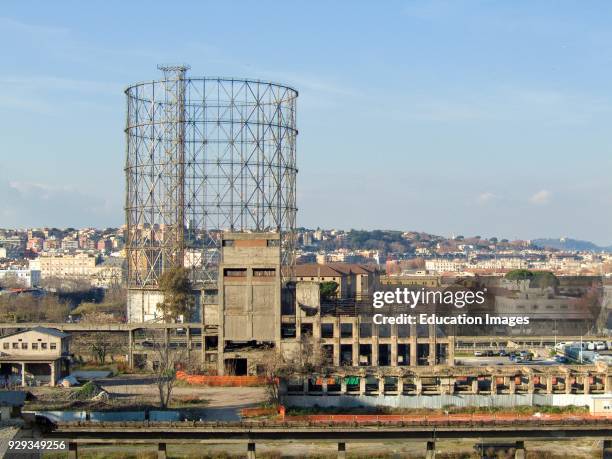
80	266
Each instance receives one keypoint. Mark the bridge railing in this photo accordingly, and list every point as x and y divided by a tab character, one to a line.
331	420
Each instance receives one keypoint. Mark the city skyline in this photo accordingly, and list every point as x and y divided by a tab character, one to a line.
403	127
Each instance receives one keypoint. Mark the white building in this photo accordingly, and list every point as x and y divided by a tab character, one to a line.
444	265
26	277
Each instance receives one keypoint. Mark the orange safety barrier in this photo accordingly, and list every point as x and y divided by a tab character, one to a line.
255	412
269	411
222	381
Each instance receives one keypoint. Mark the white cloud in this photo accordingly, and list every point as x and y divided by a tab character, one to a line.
24	203
541	197
486	197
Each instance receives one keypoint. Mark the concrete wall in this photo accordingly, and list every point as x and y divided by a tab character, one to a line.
436	401
5	413
142	305
307	295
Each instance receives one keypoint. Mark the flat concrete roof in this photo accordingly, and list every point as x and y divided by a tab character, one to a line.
29	359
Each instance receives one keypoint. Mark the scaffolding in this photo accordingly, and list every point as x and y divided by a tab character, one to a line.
206	155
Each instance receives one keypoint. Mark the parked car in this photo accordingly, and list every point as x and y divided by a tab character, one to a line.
600	346
560	359
478	353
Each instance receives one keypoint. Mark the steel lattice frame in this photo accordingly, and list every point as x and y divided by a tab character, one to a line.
205	155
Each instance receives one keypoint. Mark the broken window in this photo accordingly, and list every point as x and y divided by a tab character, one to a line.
346	330
327	330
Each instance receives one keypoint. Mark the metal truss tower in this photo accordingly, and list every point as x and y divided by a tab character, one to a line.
206	155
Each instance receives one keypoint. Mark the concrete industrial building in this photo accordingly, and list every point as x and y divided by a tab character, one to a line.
39	354
249	300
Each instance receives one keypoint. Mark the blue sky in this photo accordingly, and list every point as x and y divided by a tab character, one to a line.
488	118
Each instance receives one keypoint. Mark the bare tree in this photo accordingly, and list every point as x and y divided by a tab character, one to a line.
104	343
166	362
308	358
12	281
24	307
275	367
66	284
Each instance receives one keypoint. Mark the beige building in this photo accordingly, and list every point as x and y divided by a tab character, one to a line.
101	273
353	280
412	280
79	265
39	355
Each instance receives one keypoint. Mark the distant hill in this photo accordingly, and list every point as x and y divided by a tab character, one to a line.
570	244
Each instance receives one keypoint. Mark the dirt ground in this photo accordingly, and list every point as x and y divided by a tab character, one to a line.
137	391
145	388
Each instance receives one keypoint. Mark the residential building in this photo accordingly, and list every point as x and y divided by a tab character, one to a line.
25	277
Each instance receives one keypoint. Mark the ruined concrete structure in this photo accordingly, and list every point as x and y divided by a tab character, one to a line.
257	314
434	381
249	299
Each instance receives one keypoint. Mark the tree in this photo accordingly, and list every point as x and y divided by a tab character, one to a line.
178	294
25	307
52	309
274	368
12	281
100	344
165	365
544	279
415	263
114	303
328	290
308	358
66	284
519	274
537	279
